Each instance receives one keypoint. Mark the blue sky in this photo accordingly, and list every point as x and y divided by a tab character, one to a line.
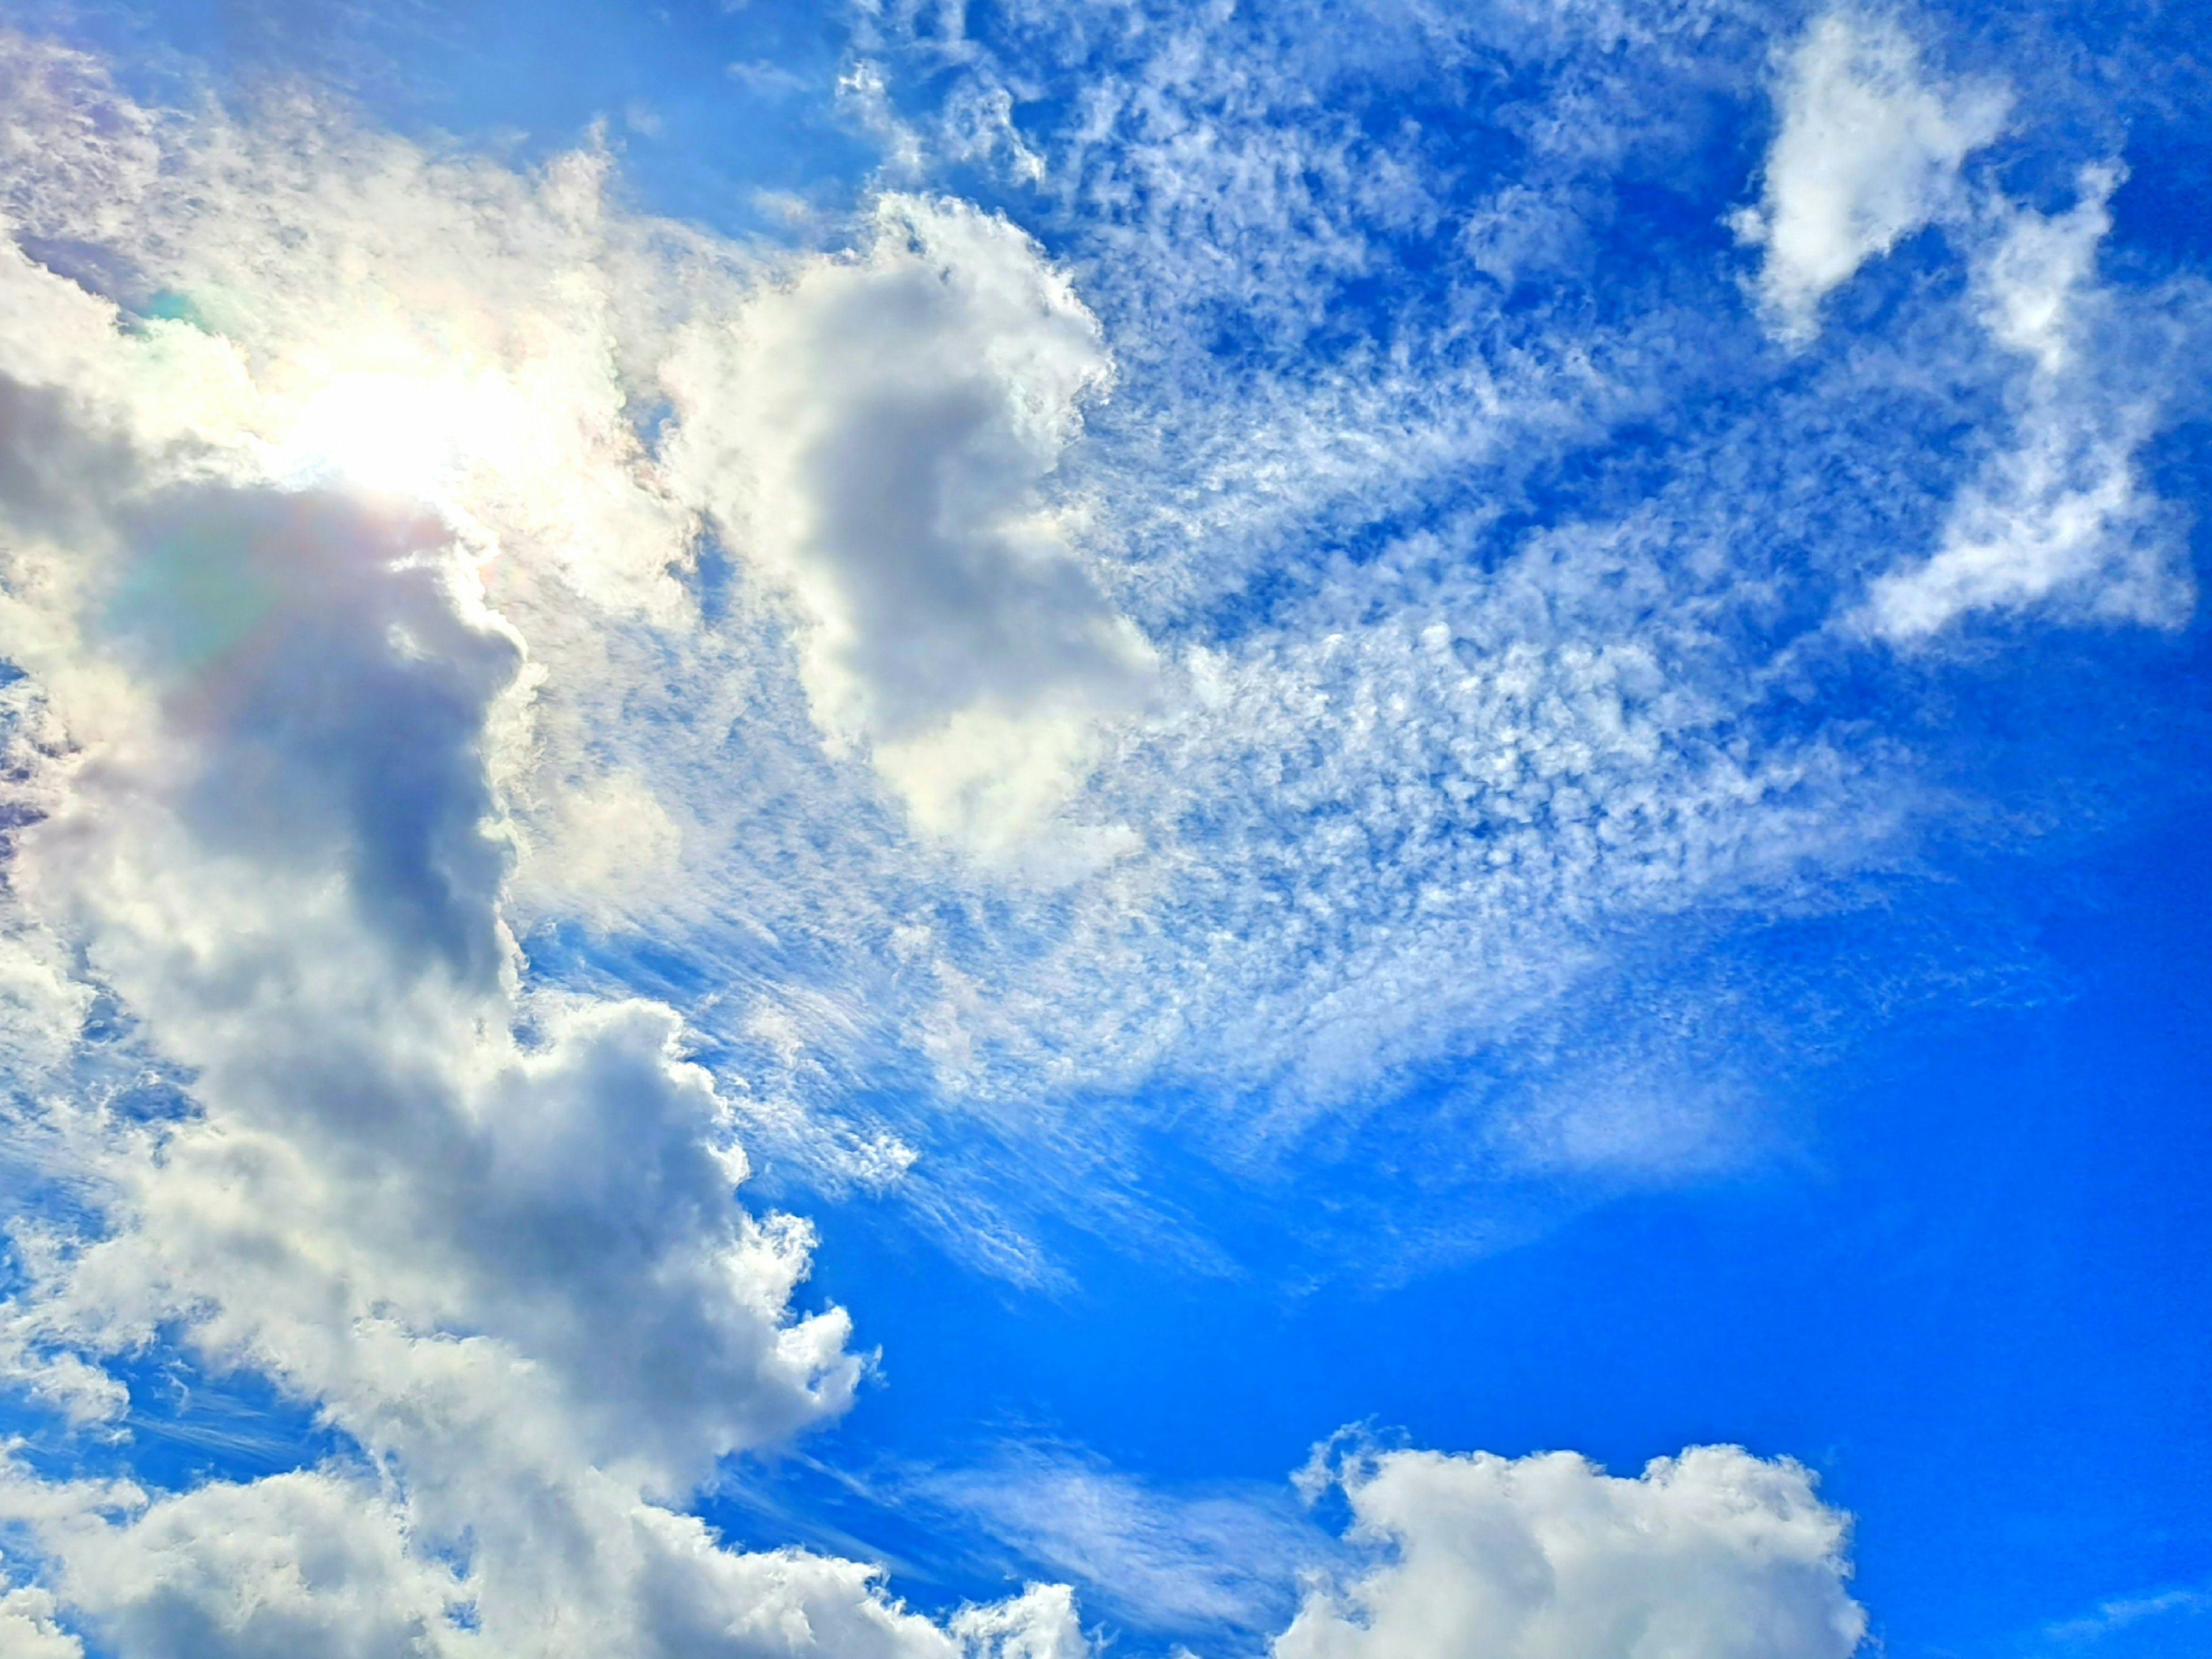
1411	792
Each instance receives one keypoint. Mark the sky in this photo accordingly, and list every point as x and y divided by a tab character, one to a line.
892	830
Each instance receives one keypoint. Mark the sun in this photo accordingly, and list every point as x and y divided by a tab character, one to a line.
382	432
397	434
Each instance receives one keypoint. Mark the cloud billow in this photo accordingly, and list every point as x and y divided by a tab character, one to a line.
487	1232
1715	1553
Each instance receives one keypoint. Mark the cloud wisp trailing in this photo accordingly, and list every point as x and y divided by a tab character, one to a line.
2063	520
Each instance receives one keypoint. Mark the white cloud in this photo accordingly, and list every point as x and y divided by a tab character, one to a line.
2062	520
336	1560
1038	1624
308	758
488	1235
2065	519
2124	1613
28	1627
1868	151
2033	278
1274	853
309	1562
603	839
875	434
1715	1553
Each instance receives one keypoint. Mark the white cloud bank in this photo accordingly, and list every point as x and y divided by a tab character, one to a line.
488	1235
1714	1555
1868	152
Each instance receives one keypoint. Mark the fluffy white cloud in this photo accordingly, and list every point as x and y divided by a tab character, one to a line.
307	1562
874	434
1714	1555
490	1235
28	1628
1868	151
1038	1624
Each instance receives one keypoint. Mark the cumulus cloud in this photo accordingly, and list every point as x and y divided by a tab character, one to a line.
488	1233
1714	1552
1038	1624
875	433
1868	152
28	1630
308	1561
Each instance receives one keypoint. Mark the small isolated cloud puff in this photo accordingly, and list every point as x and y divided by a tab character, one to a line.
875	436
1868	153
1715	1555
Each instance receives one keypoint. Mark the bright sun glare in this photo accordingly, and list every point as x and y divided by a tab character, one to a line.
392	433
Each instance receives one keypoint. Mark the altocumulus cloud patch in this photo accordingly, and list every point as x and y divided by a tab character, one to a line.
1192	617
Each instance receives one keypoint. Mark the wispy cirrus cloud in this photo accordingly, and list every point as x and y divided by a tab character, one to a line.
2065	519
2122	1619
